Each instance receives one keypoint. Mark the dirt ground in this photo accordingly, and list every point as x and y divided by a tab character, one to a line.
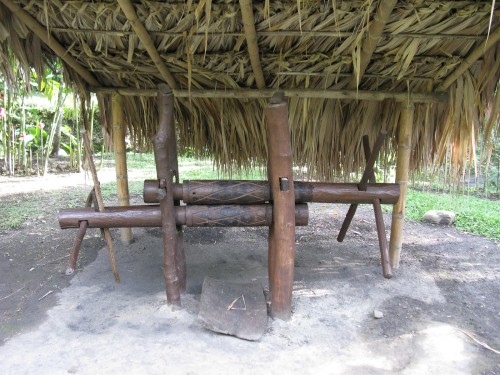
441	311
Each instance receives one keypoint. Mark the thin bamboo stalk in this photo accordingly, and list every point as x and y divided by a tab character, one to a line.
100	202
415	97
402	168
479	51
120	152
143	34
280	33
248	19
373	37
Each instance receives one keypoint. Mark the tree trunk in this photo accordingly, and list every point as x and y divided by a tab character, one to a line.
56	145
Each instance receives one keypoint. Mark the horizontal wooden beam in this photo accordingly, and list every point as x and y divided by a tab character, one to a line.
281	33
141	71
415	97
374	76
476	54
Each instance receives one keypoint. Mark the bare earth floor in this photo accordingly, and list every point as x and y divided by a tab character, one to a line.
444	294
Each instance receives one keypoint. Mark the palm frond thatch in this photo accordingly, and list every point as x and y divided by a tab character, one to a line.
302	45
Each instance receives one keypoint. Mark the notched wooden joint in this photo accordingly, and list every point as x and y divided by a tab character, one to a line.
284	186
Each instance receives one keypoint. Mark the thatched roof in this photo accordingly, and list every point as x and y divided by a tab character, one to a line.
224	58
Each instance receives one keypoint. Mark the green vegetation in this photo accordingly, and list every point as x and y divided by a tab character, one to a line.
16	211
474	215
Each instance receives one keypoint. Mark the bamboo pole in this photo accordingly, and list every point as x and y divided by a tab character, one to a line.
402	169
100	202
282	230
479	51
44	35
368	174
143	34
120	151
277	33
248	19
373	37
415	97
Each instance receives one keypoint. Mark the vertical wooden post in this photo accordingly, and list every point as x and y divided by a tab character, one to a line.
282	230
402	169
120	150
166	170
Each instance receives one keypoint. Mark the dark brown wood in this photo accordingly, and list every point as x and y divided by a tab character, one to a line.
372	158
254	192
282	232
379	217
197	216
368	175
76	247
100	201
166	171
382	240
347	222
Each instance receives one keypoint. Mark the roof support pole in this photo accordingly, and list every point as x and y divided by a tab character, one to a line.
174	262
143	34
373	35
42	33
282	230
402	169
251	37
119	131
471	59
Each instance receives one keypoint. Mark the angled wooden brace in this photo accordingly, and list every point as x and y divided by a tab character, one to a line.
369	176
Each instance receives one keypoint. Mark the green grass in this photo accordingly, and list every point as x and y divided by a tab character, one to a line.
474	215
16	211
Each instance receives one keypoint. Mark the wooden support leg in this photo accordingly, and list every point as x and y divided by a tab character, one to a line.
98	195
371	158
382	240
120	150
282	231
402	168
369	175
76	247
166	173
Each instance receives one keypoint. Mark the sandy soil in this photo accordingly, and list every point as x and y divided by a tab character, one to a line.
445	292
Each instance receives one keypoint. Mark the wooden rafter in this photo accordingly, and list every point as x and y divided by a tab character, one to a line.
251	38
277	33
374	34
416	97
476	54
42	33
128	9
